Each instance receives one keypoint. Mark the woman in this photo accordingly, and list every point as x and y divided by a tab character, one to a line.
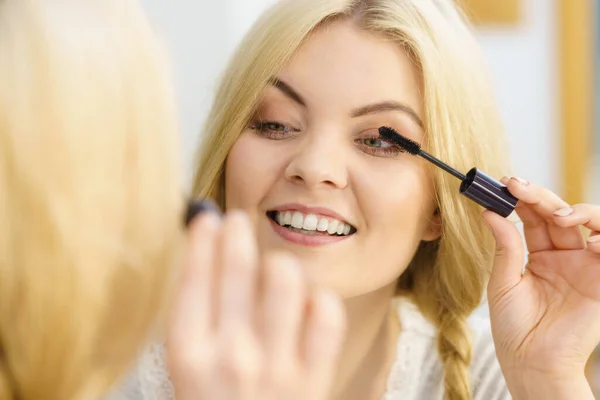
90	194
292	141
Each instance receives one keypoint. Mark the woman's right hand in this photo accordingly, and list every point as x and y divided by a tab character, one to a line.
246	327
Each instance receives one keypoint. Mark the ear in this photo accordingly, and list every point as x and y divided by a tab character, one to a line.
434	228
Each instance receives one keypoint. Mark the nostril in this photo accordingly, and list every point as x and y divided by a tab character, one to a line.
297	178
314	173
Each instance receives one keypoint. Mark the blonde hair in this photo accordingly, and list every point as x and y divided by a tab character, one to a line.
447	277
90	197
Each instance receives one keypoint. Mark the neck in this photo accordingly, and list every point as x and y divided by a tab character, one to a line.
370	348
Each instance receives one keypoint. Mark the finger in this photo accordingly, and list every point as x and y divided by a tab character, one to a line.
323	340
284	305
535	228
509	257
188	356
544	203
593	242
587	215
239	264
192	309
239	367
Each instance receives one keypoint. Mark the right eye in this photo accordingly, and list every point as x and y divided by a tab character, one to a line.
273	129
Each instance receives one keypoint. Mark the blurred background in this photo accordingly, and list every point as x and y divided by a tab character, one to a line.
542	53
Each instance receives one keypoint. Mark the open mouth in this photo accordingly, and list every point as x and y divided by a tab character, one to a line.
311	224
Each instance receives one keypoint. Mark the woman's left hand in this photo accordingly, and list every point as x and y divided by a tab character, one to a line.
545	322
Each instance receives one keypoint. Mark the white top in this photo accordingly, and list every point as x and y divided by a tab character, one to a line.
417	373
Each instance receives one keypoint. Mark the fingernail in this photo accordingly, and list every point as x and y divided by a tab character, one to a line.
564	212
198	207
520	181
594	239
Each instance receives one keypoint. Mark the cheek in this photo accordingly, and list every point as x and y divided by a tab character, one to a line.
249	173
398	202
395	200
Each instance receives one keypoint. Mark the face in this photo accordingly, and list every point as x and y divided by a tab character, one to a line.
313	174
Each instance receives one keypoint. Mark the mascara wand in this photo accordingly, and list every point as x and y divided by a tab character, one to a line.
479	187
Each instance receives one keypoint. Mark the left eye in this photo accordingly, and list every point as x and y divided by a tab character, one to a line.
274	126
375	142
273	130
374	145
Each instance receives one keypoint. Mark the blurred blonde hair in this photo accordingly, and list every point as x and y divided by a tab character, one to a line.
90	197
447	277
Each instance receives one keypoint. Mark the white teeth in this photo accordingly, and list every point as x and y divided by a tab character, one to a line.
310	222
297	220
346	229
332	227
287	218
322	226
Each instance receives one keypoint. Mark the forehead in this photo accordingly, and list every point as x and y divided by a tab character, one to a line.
345	65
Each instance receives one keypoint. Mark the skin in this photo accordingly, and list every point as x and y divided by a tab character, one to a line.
252	320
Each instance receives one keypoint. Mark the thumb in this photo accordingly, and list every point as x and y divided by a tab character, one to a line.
510	254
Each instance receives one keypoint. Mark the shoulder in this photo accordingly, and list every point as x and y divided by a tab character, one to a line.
418	372
148	379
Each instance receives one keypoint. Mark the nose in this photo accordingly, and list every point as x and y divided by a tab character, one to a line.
318	163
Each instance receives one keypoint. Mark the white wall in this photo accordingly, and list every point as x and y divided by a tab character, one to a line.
523	61
201	35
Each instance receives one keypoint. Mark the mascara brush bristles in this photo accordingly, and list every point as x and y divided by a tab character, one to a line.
390	135
414	148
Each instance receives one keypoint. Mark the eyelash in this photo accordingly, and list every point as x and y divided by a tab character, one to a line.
278	131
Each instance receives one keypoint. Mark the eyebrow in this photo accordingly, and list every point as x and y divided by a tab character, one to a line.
359	112
387	106
288	91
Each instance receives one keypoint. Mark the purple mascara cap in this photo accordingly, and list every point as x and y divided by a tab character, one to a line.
488	192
